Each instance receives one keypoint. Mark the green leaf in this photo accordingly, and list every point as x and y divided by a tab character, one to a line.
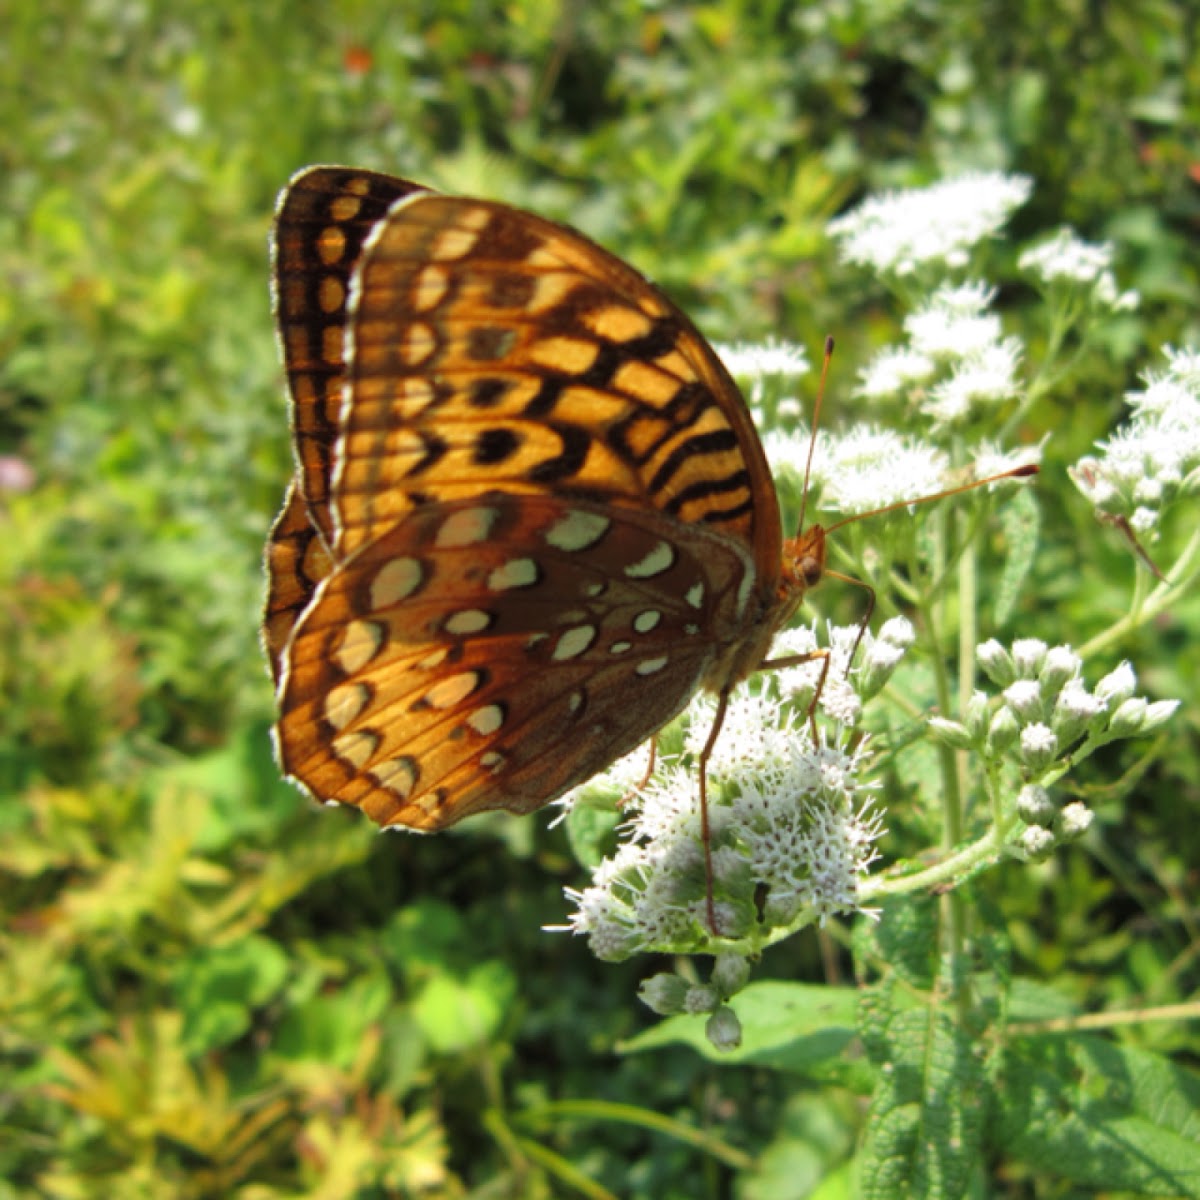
423	939
458	1014
218	988
1101	1115
1021	521
330	1028
590	824
905	937
925	1126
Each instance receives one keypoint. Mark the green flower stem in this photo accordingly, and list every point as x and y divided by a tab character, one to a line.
565	1171
949	871
629	1114
1179	582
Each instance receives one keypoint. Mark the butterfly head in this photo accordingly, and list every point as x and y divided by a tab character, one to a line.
803	562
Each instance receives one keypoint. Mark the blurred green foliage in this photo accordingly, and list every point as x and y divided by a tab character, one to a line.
212	989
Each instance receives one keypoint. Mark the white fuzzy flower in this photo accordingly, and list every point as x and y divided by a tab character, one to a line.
1067	256
893	371
749	361
985	377
839	697
900	231
1141	468
954	322
798	829
757	729
990	460
867	468
1184	365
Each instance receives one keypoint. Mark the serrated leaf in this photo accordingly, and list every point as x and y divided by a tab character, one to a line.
905	937
1102	1115
926	1121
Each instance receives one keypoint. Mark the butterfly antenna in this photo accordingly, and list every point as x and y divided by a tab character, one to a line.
816	421
1022	472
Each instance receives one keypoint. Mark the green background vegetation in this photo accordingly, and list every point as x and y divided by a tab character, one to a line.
209	987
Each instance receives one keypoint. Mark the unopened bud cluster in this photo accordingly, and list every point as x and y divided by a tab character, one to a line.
1043	717
671	995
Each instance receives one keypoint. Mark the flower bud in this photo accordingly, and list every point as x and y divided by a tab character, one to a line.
997	663
1075	820
1117	685
1158	712
898	631
1038	746
1002	732
976	716
701	998
951	733
1037	843
723	1029
1028	656
1062	664
879	664
1075	710
1034	805
1024	697
664	993
730	973
1129	719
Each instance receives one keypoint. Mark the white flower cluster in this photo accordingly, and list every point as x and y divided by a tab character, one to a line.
754	361
792	824
902	231
956	359
1044	711
1067	260
1153	459
867	467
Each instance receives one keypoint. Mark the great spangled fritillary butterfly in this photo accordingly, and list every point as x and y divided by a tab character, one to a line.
531	515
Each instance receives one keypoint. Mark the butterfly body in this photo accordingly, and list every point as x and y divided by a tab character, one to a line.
531	515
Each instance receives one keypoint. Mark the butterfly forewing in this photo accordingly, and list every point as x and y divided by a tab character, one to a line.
490	348
494	653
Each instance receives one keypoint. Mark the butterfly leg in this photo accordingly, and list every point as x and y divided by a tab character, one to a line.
645	779
705	828
798	660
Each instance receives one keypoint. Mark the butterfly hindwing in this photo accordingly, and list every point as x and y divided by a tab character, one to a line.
447	667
